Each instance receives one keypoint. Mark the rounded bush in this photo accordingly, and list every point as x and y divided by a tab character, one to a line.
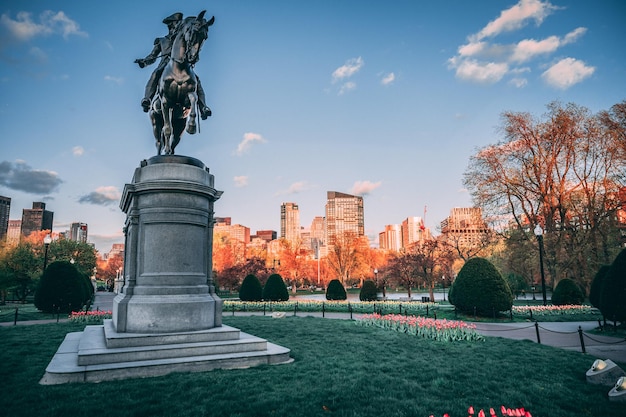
369	292
336	291
596	286
567	292
613	294
480	288
61	289
251	289
275	289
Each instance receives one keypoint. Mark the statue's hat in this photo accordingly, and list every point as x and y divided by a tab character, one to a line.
176	17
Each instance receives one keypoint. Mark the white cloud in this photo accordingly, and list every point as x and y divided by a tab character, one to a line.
566	73
347	70
248	139
388	79
528	48
489	73
241	181
574	35
364	187
515	18
518	82
78	151
482	61
24	28
115	80
349	86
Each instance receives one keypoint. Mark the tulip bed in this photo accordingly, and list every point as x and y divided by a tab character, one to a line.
89	316
441	330
519	313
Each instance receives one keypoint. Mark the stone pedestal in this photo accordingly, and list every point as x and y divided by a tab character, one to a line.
604	372
167	317
169	233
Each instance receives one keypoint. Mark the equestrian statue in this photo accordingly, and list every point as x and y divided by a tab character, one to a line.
174	95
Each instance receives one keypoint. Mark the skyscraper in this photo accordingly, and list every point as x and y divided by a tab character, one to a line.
413	230
290	222
78	232
37	218
344	214
5	211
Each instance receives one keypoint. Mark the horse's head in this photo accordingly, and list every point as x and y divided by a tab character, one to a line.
195	32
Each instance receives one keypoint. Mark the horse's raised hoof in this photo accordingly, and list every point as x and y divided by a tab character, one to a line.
191	128
205	112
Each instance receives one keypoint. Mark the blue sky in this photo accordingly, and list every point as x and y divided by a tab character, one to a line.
383	99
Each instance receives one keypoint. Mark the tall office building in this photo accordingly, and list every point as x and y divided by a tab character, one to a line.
5	211
344	214
14	232
465	225
37	218
391	238
290	223
413	231
78	232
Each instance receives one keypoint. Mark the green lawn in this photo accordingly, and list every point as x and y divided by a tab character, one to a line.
340	369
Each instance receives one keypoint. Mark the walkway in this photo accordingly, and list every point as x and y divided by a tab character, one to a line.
563	335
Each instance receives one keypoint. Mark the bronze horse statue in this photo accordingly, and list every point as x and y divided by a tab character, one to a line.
174	105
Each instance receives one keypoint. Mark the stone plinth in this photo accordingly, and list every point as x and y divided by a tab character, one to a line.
166	317
167	268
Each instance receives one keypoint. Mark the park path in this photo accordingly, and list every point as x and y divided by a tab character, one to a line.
564	335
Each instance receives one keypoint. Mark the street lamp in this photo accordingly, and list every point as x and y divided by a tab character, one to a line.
443	283
46	242
539	234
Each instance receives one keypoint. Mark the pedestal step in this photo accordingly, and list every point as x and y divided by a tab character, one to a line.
84	357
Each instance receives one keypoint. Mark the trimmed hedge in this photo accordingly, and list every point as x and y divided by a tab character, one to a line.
251	289
596	286
62	288
479	288
567	292
275	289
336	291
613	295
368	292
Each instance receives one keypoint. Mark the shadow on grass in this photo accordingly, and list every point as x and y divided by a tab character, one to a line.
340	369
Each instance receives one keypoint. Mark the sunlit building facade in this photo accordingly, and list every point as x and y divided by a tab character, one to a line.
344	214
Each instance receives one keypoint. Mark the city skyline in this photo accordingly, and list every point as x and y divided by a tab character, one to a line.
386	102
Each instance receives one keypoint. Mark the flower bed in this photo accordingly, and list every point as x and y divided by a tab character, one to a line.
90	316
442	330
505	412
557	313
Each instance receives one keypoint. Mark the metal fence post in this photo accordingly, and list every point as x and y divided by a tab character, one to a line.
537	331
582	340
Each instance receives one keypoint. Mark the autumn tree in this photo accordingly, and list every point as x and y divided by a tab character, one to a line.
346	255
434	259
403	269
562	172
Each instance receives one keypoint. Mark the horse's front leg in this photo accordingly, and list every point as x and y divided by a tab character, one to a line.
191	121
167	127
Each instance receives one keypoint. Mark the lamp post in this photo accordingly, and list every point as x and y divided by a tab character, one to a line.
443	284
539	234
46	243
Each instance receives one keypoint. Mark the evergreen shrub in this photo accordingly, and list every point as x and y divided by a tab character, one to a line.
596	285
567	292
368	291
251	289
275	289
479	287
336	291
61	288
613	294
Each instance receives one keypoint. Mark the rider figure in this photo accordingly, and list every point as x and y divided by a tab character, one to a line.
163	48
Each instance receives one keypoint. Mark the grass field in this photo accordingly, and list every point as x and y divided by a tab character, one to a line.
340	369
